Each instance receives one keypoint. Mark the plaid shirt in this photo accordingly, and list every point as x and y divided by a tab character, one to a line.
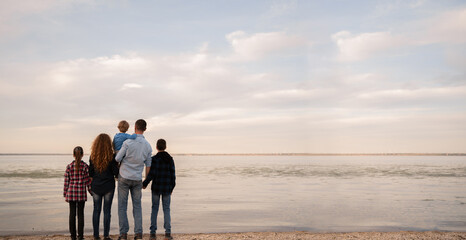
162	172
76	183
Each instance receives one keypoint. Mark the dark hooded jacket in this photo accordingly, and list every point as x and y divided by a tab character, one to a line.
162	173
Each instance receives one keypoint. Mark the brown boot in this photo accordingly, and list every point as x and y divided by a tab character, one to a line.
168	236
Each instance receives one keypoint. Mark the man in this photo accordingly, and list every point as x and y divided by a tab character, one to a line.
133	155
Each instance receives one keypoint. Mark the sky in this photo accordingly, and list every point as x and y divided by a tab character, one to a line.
217	76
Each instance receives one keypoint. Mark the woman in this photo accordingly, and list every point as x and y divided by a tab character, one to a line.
103	170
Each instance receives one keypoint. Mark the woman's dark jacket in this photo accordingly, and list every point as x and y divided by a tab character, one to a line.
103	182
162	172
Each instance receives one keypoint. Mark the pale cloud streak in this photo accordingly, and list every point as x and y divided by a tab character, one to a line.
259	45
447	27
365	45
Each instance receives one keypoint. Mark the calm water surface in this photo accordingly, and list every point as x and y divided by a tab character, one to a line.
260	193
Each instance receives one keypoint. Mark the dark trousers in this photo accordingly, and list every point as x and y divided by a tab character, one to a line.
80	207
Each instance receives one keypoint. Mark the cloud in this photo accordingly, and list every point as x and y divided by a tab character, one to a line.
127	86
362	46
14	14
446	27
417	93
423	97
12	11
99	87
259	45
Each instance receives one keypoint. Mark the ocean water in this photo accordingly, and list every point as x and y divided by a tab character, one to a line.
259	193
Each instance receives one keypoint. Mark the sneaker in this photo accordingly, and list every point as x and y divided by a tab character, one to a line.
168	236
123	236
107	238
153	236
138	236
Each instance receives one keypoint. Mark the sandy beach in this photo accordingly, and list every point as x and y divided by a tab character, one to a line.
280	235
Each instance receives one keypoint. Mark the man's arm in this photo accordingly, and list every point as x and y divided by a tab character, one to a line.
148	159
121	154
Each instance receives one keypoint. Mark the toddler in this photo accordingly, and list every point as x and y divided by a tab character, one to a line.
122	136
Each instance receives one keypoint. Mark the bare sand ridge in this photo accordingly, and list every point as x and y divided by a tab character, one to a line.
281	235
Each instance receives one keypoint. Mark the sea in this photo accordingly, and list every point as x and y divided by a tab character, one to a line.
224	193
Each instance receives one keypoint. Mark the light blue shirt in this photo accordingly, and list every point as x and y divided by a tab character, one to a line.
120	138
133	155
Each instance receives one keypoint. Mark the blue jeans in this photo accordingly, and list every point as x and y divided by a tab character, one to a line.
107	199
124	187
166	212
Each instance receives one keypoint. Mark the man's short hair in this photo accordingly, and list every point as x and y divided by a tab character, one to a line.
123	126
161	144
141	125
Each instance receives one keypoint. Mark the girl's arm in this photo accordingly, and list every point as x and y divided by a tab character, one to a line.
67	181
87	180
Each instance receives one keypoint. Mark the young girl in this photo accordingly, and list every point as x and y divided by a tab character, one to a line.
76	182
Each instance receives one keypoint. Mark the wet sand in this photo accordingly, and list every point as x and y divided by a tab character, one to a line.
278	235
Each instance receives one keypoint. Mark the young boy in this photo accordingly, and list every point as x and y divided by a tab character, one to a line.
122	136
162	171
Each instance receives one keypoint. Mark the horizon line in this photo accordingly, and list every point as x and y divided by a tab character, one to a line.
270	154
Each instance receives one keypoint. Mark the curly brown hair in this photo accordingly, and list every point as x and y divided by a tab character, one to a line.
101	152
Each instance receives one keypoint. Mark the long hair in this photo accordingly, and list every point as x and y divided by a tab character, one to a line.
102	152
78	153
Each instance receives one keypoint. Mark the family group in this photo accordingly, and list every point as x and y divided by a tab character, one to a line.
122	160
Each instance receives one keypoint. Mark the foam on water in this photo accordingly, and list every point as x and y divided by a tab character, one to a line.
41	173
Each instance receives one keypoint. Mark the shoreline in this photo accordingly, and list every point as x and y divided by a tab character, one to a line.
263	154
275	235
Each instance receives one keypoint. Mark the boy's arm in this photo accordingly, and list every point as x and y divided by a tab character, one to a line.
149	177
172	173
132	136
